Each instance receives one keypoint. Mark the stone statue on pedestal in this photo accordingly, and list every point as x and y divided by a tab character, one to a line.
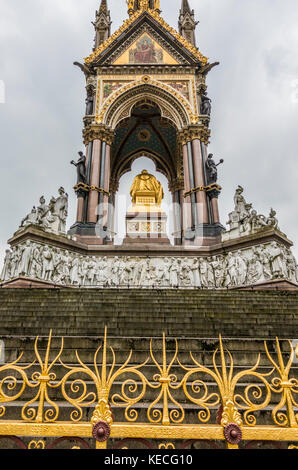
205	104
89	102
60	209
51	217
81	168
211	167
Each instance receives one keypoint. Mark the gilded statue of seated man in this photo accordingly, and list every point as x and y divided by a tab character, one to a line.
146	183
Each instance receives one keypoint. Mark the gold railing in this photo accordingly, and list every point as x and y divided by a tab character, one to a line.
228	404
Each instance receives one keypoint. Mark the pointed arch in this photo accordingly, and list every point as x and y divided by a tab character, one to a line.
172	107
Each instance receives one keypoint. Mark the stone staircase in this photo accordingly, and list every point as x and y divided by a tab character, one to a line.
195	317
148	313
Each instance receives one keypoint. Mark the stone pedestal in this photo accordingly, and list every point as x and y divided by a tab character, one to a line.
146	222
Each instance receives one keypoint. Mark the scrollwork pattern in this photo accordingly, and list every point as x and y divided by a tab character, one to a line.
163	393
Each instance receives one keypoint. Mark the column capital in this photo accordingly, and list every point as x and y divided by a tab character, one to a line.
200	132
98	131
177	185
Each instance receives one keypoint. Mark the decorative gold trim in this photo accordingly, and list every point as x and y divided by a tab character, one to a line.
126	25
200	132
98	131
147	80
83	386
85	187
205	189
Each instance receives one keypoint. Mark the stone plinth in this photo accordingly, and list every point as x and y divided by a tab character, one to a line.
146	222
146	226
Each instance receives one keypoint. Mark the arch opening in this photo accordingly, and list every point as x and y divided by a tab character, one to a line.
123	199
146	133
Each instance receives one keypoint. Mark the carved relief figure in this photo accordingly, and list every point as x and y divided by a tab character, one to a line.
26	252
248	266
6	271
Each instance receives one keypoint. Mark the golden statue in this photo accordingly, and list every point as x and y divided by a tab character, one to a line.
146	190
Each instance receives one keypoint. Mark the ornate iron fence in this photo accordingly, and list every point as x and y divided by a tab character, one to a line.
228	405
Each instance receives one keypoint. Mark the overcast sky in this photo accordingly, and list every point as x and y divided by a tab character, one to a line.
254	92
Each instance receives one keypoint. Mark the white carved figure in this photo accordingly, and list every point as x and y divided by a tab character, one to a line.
195	273
92	272
241	206
244	220
30	219
174	272
51	217
83	269
15	260
61	209
265	260
241	268
219	265
232	275
74	271
272	220
290	265
6	271
255	268
26	258
48	265
253	222
160	273
145	280
122	272
203	265
115	272
276	259
247	266
36	265
42	210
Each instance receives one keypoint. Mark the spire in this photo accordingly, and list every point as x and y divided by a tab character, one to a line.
185	8
102	24
135	5
187	23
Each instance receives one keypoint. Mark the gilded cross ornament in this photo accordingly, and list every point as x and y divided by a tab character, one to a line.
144	4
